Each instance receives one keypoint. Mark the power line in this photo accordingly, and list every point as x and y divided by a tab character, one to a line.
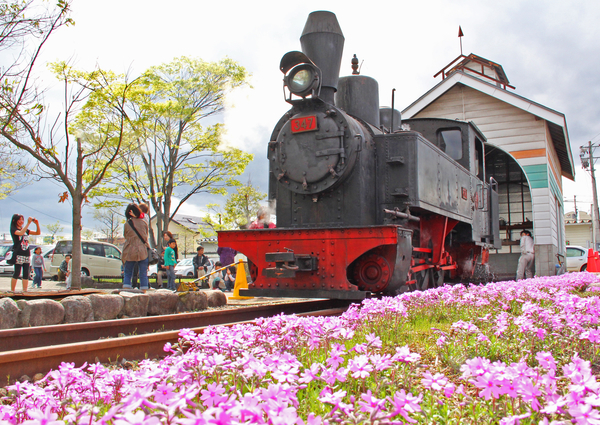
38	211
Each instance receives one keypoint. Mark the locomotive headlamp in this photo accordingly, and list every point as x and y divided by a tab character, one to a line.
302	76
302	80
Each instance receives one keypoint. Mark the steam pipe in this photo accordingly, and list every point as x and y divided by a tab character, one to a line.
402	215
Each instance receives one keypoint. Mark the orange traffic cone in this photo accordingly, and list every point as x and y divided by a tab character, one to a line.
241	282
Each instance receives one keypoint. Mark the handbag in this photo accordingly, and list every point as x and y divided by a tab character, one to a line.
153	256
11	258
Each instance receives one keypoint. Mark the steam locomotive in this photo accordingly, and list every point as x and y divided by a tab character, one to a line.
365	203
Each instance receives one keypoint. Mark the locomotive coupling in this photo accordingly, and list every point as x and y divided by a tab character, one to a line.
288	263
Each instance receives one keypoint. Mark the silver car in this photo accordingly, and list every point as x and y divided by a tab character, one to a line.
577	257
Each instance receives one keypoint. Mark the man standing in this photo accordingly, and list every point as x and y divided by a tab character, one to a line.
201	263
527	258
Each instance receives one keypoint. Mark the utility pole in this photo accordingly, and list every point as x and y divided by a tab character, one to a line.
586	153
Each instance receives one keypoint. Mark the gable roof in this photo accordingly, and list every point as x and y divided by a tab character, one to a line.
192	223
557	123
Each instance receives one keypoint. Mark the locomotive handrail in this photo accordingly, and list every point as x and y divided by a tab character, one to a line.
401	214
494	184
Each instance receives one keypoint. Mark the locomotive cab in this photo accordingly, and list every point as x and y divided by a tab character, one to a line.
464	143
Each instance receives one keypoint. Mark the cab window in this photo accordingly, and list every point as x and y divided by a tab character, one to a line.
450	141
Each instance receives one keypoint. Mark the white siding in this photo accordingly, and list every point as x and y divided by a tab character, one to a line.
504	125
512	129
579	234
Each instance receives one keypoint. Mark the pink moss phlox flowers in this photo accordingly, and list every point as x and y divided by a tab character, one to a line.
345	367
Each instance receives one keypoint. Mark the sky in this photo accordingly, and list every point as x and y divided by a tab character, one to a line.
550	51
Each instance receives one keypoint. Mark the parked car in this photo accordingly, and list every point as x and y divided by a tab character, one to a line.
152	270
97	258
185	267
6	268
47	255
576	258
4	250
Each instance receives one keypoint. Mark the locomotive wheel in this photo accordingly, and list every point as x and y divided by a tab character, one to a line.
437	278
372	273
423	278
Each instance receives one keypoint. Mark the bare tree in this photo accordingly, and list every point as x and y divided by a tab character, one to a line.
111	222
77	163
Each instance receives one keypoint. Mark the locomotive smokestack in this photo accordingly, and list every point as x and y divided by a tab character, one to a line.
323	42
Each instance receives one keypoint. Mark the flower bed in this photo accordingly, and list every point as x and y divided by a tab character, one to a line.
511	353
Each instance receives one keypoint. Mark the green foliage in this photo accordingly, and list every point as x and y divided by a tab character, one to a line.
54	228
14	173
240	209
168	152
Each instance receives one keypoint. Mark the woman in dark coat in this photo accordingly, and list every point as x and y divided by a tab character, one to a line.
135	250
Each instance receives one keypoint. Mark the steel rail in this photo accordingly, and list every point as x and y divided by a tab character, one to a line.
45	357
40	336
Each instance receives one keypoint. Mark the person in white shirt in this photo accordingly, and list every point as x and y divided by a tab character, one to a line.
527	258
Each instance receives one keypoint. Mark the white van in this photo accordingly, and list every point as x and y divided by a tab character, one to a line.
97	258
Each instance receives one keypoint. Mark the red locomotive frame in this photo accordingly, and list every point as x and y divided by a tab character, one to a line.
320	256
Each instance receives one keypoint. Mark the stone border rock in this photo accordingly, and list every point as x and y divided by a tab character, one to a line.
121	303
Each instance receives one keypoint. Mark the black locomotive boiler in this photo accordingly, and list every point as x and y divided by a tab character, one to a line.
364	203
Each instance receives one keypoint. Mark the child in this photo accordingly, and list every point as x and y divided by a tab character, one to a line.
144	208
38	267
69	268
216	277
170	264
229	279
63	269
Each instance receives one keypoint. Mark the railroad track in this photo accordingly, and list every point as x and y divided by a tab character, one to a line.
27	351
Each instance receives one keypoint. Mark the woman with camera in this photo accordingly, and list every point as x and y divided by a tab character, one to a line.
20	252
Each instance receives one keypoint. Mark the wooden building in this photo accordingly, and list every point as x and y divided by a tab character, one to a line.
527	153
578	229
189	232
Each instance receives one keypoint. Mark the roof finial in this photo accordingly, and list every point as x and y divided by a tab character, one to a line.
355	66
460	35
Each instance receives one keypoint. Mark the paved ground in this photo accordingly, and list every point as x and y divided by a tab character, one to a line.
53	286
47	285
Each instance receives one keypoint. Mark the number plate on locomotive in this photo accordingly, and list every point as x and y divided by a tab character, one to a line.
304	124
